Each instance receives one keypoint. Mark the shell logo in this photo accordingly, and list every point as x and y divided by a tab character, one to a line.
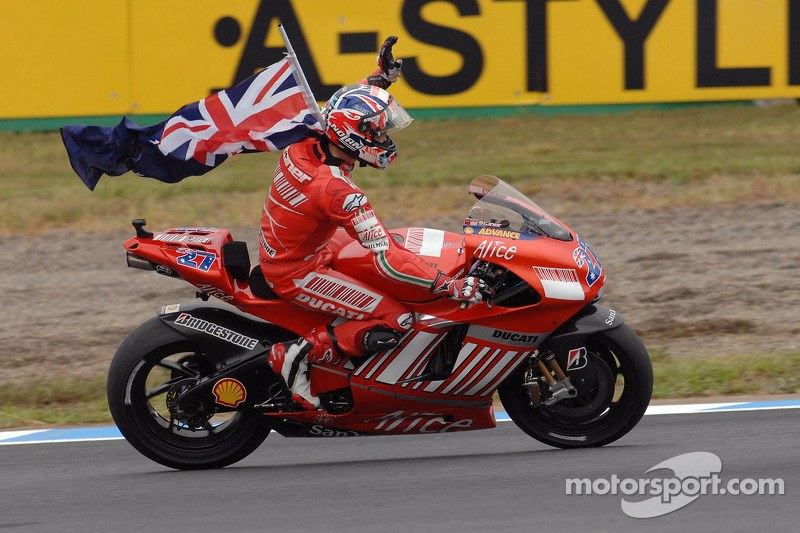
229	392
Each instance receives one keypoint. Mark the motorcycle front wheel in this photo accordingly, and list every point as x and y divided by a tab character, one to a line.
146	366
599	414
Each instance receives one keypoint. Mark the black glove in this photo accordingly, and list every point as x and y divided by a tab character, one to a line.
389	70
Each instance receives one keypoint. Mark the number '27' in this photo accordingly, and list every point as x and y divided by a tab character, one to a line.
197	259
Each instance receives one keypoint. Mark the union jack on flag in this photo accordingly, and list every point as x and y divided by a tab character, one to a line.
266	112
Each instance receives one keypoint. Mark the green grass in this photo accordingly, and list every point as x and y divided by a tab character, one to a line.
690	156
762	373
54	401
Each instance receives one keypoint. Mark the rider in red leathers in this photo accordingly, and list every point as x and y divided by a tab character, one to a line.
311	196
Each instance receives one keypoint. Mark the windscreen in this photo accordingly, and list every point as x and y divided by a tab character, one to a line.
503	207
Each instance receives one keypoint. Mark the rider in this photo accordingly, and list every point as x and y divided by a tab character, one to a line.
311	196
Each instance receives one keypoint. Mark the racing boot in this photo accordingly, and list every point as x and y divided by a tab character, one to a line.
291	359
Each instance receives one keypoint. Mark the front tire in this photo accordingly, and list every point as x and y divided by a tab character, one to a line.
152	359
598	415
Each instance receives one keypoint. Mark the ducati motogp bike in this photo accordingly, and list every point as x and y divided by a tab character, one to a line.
191	387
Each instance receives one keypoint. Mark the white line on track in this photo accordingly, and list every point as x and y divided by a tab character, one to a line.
40	436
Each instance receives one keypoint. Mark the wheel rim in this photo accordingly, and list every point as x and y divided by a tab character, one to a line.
147	392
594	412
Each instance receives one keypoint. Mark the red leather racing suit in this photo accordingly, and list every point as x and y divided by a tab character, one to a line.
311	196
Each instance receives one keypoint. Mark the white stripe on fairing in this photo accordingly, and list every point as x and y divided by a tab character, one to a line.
563	290
403	360
477	375
496	383
465	352
425	241
463	373
498	367
432	242
378	364
423	360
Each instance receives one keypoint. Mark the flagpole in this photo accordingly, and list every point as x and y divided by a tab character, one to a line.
311	102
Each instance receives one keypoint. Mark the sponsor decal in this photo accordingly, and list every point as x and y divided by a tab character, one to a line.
405	321
165	271
269	250
188	321
322	418
322	431
403	422
518	339
295	172
167	309
504	233
577	359
370	231
496	249
327	357
364	219
346	139
354	201
328	307
229	392
196	259
479	222
502	336
584	256
611	316
469	230
560	283
371	234
215	292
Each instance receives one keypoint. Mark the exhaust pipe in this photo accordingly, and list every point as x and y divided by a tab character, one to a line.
134	261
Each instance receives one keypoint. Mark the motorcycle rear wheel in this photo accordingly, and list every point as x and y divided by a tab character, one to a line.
623	365
146	365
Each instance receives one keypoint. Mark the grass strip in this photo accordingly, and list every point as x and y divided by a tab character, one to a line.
690	157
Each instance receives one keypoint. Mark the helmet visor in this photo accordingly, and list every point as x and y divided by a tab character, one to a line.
388	119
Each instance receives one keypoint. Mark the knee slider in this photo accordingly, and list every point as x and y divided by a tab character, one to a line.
380	339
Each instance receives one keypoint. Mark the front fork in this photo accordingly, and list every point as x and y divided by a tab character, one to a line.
550	375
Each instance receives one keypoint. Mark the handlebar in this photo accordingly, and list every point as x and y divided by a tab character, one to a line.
486	296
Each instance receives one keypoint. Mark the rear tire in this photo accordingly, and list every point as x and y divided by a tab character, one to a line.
147	363
603	414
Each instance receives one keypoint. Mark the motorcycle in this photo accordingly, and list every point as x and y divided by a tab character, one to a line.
191	388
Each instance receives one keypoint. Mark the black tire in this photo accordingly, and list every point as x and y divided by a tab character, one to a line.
599	415
147	362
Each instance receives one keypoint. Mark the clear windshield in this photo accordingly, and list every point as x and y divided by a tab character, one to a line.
503	207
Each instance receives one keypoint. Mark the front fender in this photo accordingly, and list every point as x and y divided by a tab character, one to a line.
588	321
221	332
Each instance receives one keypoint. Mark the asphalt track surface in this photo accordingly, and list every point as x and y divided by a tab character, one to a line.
492	480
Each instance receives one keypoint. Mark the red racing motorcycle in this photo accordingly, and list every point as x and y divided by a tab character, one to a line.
191	387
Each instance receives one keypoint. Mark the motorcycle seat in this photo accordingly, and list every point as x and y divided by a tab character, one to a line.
236	260
259	286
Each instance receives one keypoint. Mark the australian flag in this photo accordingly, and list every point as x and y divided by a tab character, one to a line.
266	112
